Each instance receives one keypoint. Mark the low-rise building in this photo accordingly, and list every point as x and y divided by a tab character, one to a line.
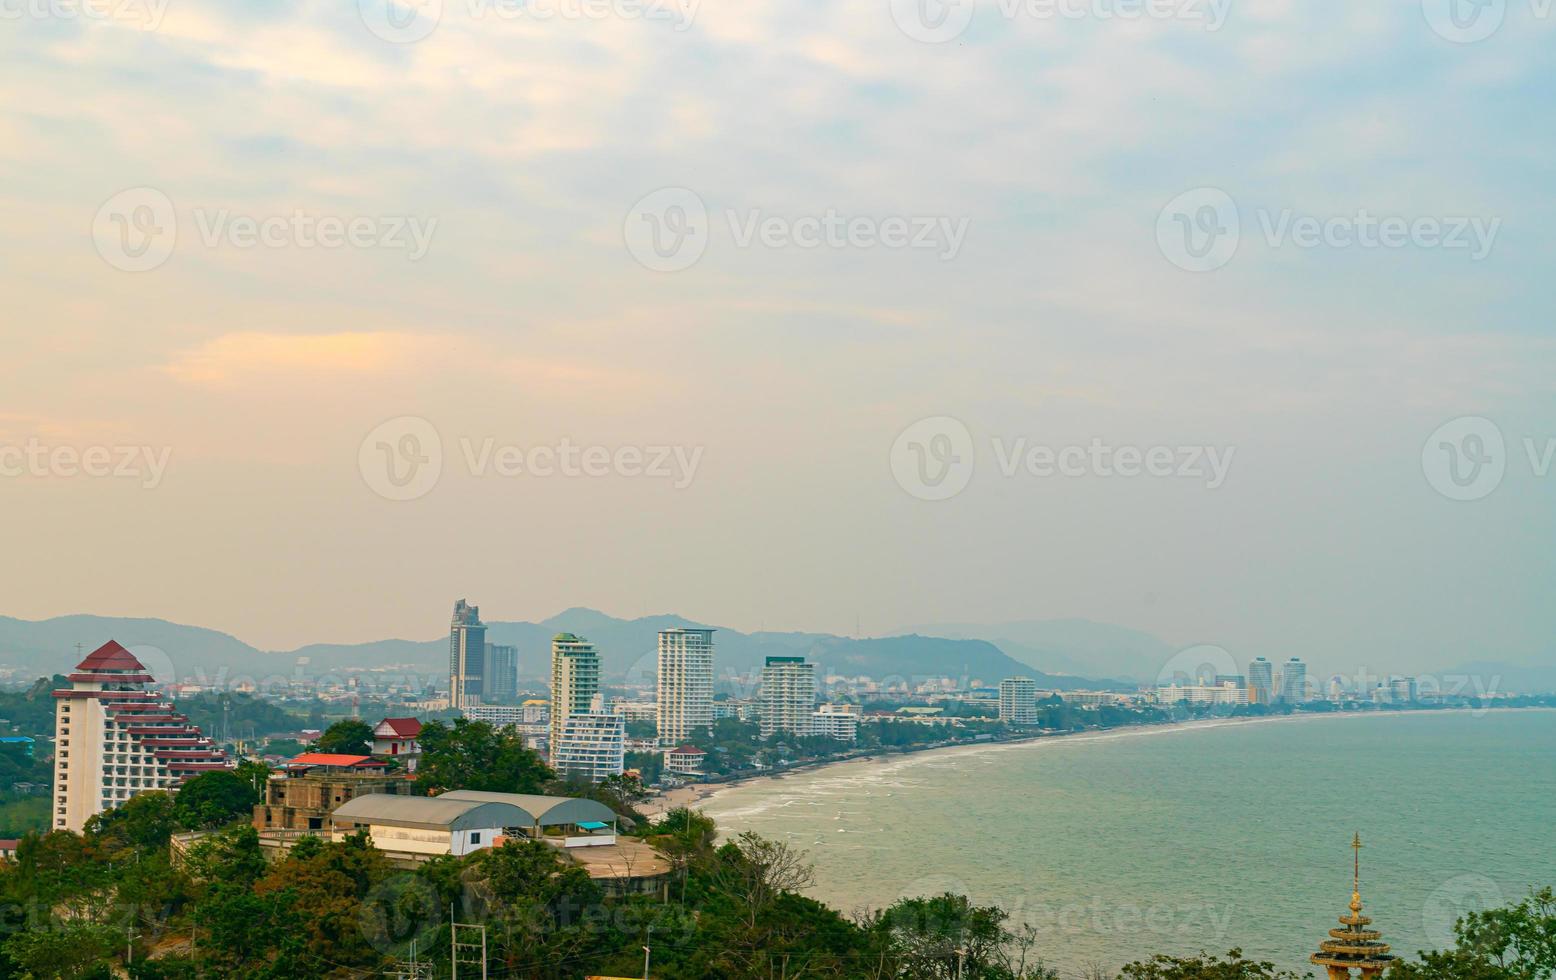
685	760
308	789
396	738
839	721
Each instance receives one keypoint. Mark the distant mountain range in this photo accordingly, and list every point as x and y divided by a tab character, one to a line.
627	651
1063	654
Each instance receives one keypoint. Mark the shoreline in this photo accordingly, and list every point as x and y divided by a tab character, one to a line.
694	795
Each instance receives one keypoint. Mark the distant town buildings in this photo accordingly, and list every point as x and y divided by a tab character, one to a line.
1261	681
1228	692
501	676
466	656
1018	701
114	738
685	685
1293	681
575	680
788	697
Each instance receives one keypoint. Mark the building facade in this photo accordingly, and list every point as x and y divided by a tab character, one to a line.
1293	681
575	680
592	746
1229	692
685	687
466	656
1261	681
501	682
396	739
839	721
115	738
788	697
1018	701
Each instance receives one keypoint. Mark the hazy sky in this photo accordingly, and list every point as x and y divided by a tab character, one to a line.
875	217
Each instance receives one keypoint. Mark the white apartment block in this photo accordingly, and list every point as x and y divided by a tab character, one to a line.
575	680
788	696
685	690
114	738
636	710
592	746
1018	701
1227	693
839	721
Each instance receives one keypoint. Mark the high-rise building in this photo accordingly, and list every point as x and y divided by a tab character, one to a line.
1018	701
1261	681
575	680
501	680
685	684
1402	690
466	656
592	745
1293	681
115	738
788	696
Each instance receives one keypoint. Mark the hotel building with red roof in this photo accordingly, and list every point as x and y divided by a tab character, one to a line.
114	737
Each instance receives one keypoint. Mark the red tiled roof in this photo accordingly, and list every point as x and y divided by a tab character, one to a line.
403	727
333	759
110	656
687	750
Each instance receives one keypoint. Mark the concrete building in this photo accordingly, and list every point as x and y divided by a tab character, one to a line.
1229	692
502	674
466	656
592	745
1261	681
685	688
743	709
839	721
425	825
115	738
575	680
307	790
788	697
396	739
1018	701
636	710
685	760
1402	690
1293	681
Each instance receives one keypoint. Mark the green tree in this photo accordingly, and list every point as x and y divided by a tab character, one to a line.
141	824
1204	967
1513	943
348	737
214	798
474	755
63	950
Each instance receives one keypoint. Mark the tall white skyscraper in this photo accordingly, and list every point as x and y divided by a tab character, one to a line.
466	656
1293	681
788	698
1018	701
685	683
114	738
575	680
1261	681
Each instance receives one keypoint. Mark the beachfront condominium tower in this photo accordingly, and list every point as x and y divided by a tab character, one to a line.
1293	681
1018	701
592	745
788	696
466	656
501	683
685	702
115	738
1261	681
575	680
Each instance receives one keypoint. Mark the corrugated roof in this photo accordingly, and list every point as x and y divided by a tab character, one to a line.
543	811
428	812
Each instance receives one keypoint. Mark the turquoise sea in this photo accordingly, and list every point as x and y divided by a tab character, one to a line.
1211	836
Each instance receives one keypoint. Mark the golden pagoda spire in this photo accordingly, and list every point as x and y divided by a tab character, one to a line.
1354	947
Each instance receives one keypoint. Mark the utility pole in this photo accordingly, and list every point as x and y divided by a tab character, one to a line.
469	948
647	950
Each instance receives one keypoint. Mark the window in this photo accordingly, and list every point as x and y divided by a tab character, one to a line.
475	837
